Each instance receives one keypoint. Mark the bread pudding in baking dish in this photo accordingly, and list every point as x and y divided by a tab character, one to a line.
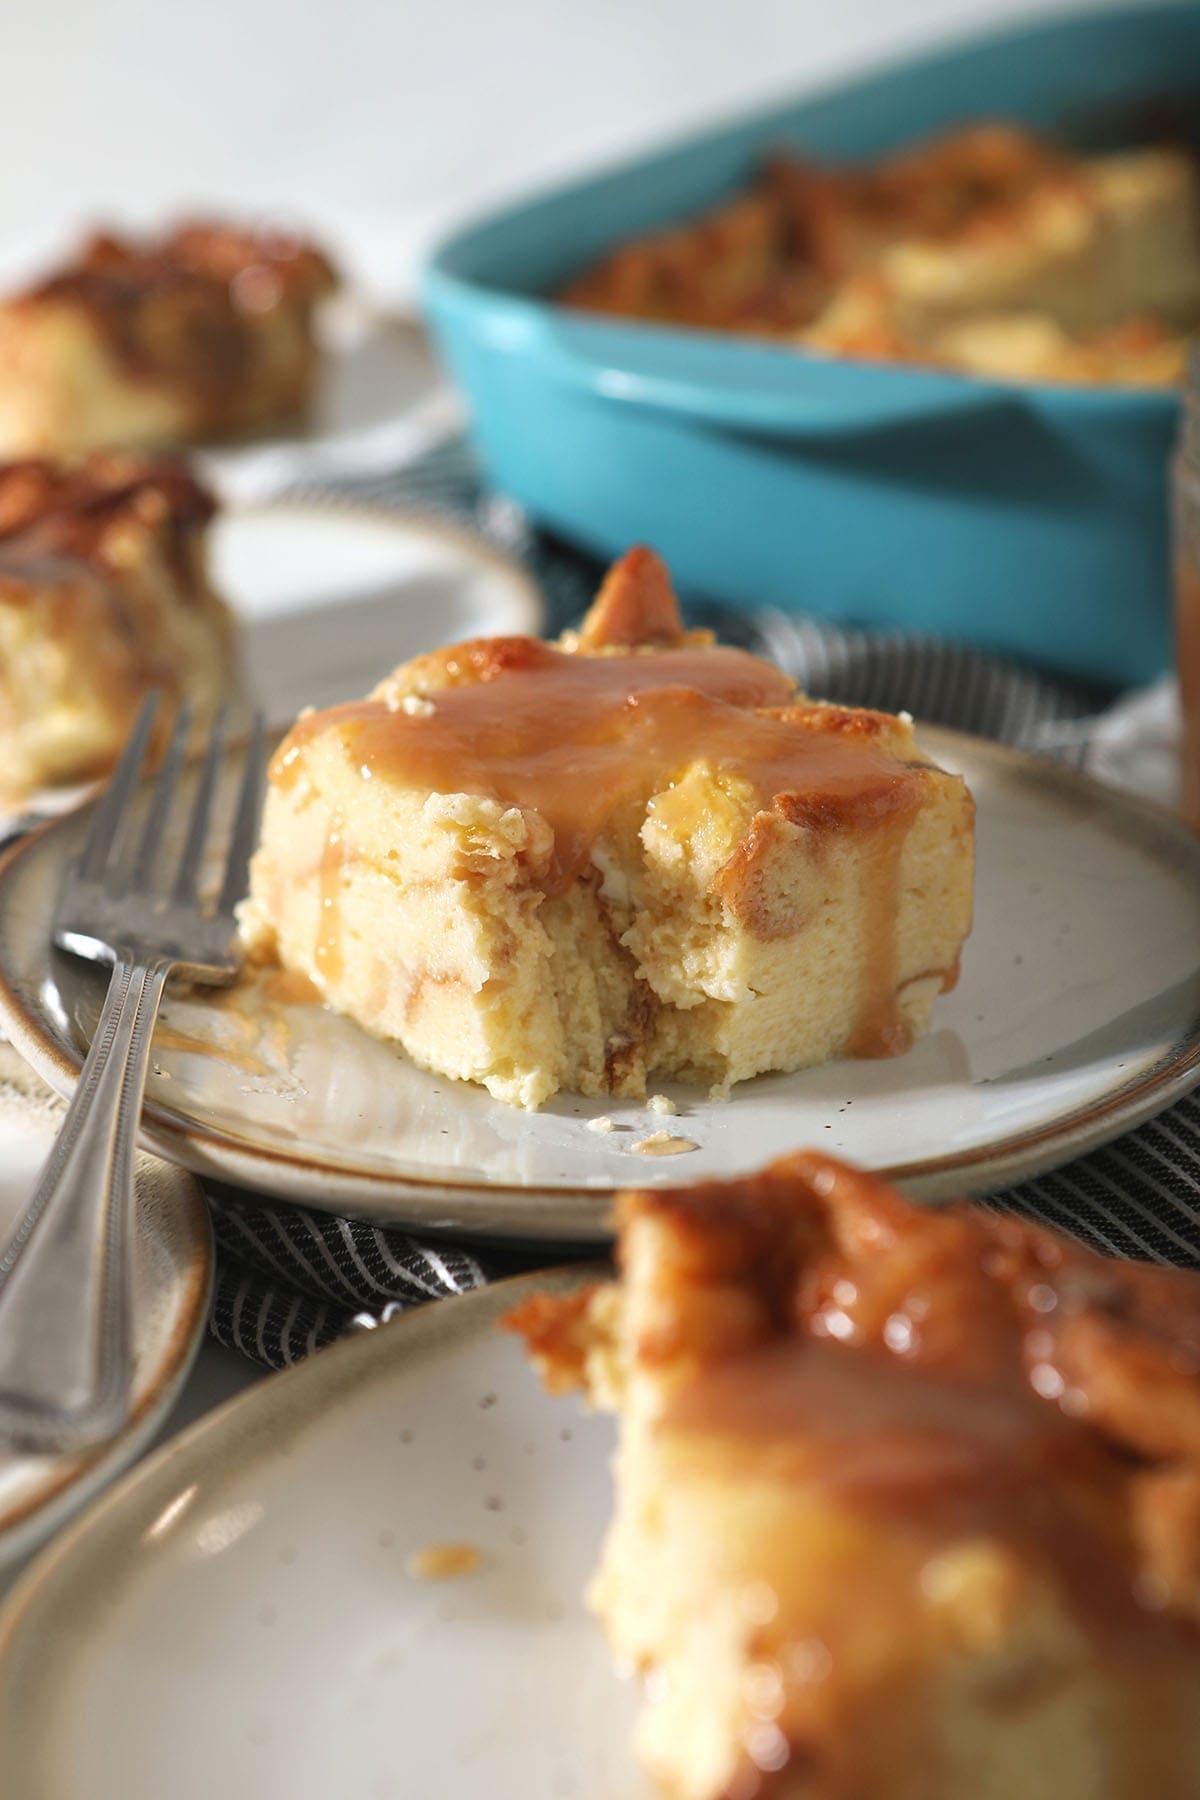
632	853
907	1501
104	596
204	332
988	250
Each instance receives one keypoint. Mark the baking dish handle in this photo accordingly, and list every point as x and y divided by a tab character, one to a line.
762	389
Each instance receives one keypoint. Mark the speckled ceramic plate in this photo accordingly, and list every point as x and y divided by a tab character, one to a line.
173	1272
334	593
1078	1013
239	1618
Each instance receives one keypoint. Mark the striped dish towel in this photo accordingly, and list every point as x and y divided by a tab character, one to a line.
290	1280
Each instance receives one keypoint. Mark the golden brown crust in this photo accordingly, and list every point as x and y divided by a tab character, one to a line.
813	226
176	307
104	596
636	606
204	331
962	187
907	1500
1124	1335
557	1333
804	256
812	1251
74	510
274	266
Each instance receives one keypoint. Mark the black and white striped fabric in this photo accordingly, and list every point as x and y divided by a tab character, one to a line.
290	1280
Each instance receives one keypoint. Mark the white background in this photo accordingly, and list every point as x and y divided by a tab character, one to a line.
381	119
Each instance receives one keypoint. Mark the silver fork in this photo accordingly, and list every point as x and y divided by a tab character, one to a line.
66	1271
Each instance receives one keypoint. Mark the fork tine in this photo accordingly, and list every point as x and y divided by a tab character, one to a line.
192	856
164	792
99	853
245	824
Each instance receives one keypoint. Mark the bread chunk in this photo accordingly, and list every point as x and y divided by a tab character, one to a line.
104	595
907	1501
205	332
988	249
634	854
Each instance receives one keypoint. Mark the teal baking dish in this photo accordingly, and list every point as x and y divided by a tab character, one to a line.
1029	519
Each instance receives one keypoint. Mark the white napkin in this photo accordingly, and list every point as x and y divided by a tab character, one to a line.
1133	745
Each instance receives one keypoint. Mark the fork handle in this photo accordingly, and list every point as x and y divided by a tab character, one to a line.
66	1272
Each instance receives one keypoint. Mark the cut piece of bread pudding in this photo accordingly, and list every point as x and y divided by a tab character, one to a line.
206	331
907	1501
104	596
634	853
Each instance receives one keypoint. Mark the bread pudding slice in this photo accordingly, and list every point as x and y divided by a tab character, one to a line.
907	1501
632	853
104	595
205	332
988	249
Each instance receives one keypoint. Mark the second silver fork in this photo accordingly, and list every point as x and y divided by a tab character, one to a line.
66	1284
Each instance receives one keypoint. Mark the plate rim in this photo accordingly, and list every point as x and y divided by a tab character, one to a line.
299	1179
404	515
105	1537
69	1482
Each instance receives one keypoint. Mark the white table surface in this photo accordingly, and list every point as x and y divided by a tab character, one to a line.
379	125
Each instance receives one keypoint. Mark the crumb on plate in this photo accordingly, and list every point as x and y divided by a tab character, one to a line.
661	1143
444	1562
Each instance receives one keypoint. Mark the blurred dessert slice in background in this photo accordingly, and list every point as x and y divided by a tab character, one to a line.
205	332
907	1500
990	250
104	595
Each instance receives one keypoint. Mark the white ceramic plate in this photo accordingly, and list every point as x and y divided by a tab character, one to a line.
381	398
173	1272
331	594
237	1617
1078	1013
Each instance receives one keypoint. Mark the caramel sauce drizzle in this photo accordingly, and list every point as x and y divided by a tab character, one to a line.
882	1029
947	1453
957	1370
573	737
996	1412
941	1463
166	1037
953	1378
